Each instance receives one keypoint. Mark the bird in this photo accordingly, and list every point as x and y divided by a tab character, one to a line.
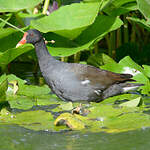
74	81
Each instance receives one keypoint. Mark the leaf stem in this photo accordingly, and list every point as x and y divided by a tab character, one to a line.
126	31
77	57
112	43
45	7
11	25
119	38
96	49
64	59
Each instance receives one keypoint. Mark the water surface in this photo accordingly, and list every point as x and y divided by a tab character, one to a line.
13	137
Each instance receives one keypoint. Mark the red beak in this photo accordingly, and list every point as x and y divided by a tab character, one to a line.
23	40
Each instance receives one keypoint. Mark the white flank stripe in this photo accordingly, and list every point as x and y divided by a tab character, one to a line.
85	82
126	89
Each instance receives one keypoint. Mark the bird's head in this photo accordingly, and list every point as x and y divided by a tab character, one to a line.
31	36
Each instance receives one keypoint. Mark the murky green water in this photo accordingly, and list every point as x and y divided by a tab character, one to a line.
17	138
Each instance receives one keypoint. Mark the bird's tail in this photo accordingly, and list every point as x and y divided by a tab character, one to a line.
120	88
130	86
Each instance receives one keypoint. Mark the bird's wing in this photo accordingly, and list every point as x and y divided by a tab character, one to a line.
100	79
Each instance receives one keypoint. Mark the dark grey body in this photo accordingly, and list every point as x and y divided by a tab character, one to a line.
66	85
63	79
77	82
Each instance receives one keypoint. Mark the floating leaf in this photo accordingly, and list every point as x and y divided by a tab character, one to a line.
35	120
132	103
32	90
20	102
117	119
66	106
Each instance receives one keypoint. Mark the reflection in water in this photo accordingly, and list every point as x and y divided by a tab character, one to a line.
17	138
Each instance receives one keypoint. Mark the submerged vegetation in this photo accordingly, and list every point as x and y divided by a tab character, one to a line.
110	34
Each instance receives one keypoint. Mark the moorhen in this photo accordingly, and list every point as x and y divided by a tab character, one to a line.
76	82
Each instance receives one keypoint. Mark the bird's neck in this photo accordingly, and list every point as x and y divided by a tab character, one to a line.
42	53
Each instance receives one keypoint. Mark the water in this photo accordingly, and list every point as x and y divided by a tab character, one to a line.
26	71
18	138
13	137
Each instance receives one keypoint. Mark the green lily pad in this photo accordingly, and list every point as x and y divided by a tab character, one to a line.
21	102
35	120
32	90
117	119
66	106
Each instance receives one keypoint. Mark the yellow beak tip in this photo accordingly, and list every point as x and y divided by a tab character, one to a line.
18	45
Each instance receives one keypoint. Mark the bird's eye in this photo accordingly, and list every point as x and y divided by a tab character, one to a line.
31	34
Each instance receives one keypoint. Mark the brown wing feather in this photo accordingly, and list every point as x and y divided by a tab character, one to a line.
100	78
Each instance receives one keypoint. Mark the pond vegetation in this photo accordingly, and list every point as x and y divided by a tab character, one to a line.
109	34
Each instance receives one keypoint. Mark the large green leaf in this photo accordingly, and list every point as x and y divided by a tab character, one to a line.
117	8
15	5
128	62
68	21
100	59
64	51
144	6
9	38
129	66
118	3
146	70
92	34
9	55
102	25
